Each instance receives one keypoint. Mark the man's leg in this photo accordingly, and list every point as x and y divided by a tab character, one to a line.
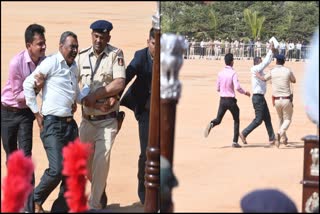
9	131
143	136
104	139
258	105
268	123
52	138
235	111
221	111
25	144
70	131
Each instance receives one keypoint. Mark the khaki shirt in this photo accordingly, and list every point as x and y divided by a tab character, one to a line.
111	66
281	78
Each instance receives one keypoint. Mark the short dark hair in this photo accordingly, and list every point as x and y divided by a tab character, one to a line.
280	61
65	34
31	31
256	60
151	33
228	58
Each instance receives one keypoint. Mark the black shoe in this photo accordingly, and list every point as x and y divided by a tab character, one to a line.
104	200
235	145
208	129
243	138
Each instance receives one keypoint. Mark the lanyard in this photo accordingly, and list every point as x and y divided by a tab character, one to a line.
93	72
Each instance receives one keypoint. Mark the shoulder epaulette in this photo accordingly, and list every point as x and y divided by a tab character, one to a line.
84	50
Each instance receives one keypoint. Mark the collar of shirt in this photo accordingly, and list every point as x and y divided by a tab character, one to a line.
150	55
29	61
228	67
105	50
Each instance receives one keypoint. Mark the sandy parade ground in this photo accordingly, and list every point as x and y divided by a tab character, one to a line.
212	175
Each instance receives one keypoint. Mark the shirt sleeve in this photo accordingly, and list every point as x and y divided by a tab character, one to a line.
218	83
265	62
119	70
29	84
132	68
16	80
29	93
237	84
292	77
267	76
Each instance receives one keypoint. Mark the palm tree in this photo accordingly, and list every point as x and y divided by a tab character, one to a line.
254	22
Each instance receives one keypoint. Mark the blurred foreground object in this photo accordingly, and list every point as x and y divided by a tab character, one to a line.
311	82
310	182
171	58
152	165
267	201
75	157
17	184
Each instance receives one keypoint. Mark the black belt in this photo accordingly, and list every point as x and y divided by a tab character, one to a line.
259	94
99	117
277	98
63	119
12	109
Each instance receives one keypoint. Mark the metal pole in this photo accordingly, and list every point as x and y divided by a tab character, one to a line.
152	169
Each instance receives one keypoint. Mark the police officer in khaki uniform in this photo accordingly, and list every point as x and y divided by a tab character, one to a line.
282	78
102	73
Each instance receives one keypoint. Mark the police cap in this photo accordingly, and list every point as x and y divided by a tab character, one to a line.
280	57
101	26
267	201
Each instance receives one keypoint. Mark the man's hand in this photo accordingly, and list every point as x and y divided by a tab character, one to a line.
107	105
248	93
39	83
259	76
74	108
39	119
89	100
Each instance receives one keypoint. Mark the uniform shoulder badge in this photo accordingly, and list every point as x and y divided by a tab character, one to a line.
120	61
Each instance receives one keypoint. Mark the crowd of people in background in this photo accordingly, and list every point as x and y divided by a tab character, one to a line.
215	49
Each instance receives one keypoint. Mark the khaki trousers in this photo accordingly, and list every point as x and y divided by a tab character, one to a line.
101	135
285	110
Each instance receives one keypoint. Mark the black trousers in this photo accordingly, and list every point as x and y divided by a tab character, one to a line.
16	133
262	114
143	120
55	135
229	103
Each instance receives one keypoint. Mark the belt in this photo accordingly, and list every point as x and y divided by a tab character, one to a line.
63	119
99	117
280	98
12	109
259	94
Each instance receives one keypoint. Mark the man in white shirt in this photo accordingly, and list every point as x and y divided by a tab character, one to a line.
260	105
55	120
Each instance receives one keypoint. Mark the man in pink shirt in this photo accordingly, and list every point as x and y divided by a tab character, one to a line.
16	117
226	83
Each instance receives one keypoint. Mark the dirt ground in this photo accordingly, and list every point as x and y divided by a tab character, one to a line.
131	25
212	175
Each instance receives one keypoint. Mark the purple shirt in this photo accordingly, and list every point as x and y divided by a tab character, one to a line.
20	67
228	81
